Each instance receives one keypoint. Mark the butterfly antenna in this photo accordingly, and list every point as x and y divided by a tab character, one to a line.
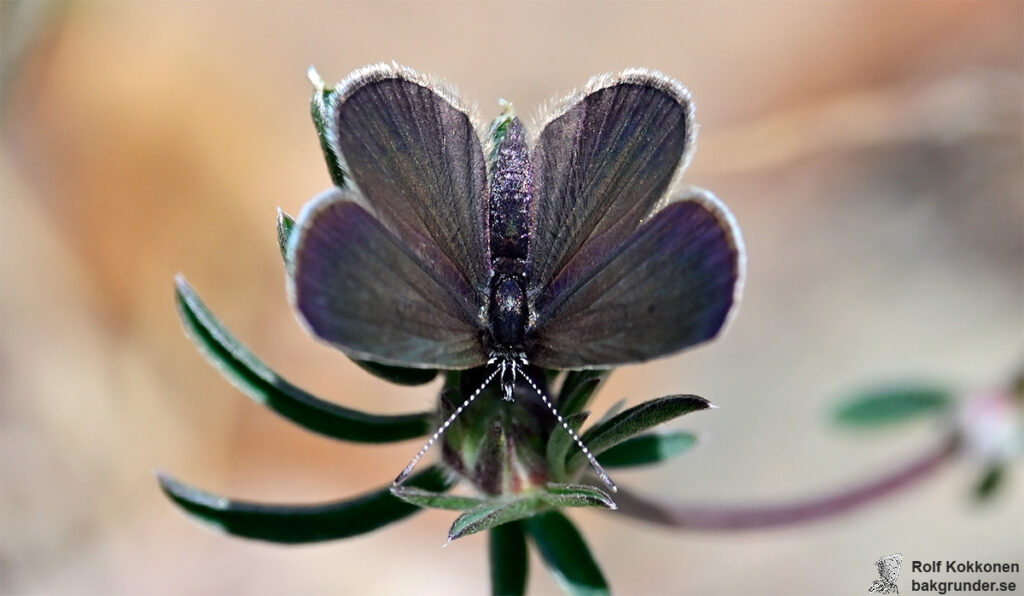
590	456
437	434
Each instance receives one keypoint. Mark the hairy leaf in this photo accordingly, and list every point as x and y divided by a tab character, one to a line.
635	420
493	514
553	496
435	500
576	495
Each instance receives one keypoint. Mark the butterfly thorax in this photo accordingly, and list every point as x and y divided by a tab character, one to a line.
511	193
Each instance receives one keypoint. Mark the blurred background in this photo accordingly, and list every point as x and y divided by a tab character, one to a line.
872	153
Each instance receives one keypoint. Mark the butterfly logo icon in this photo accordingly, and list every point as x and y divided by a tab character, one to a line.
888	573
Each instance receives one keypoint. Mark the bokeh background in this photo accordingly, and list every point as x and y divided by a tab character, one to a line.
872	152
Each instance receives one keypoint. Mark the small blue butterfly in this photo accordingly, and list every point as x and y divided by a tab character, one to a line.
569	249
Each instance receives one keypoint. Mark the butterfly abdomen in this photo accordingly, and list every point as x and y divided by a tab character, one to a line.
511	193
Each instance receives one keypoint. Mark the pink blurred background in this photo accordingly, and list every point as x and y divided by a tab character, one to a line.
872	153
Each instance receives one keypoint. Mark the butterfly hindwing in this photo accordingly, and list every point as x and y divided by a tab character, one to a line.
362	288
669	286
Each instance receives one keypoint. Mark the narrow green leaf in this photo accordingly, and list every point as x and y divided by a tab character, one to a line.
510	564
560	444
990	482
577	389
319	105
492	514
400	375
647	449
296	524
435	500
576	495
554	496
567	555
635	420
285	225
892	406
264	386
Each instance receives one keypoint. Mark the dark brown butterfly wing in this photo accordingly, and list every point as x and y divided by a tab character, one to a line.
360	287
671	285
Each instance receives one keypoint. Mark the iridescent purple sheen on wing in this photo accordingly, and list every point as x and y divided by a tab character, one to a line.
668	287
361	288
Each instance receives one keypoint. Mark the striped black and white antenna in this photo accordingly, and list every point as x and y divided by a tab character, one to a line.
508	368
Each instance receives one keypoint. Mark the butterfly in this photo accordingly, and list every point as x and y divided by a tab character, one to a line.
566	249
888	573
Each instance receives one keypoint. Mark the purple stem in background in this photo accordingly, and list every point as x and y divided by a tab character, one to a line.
711	517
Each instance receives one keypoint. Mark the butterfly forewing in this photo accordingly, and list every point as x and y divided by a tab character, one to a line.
360	287
670	285
599	167
416	158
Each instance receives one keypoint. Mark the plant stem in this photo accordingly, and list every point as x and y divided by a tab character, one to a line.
709	517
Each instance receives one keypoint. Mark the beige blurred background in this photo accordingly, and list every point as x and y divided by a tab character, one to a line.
872	153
